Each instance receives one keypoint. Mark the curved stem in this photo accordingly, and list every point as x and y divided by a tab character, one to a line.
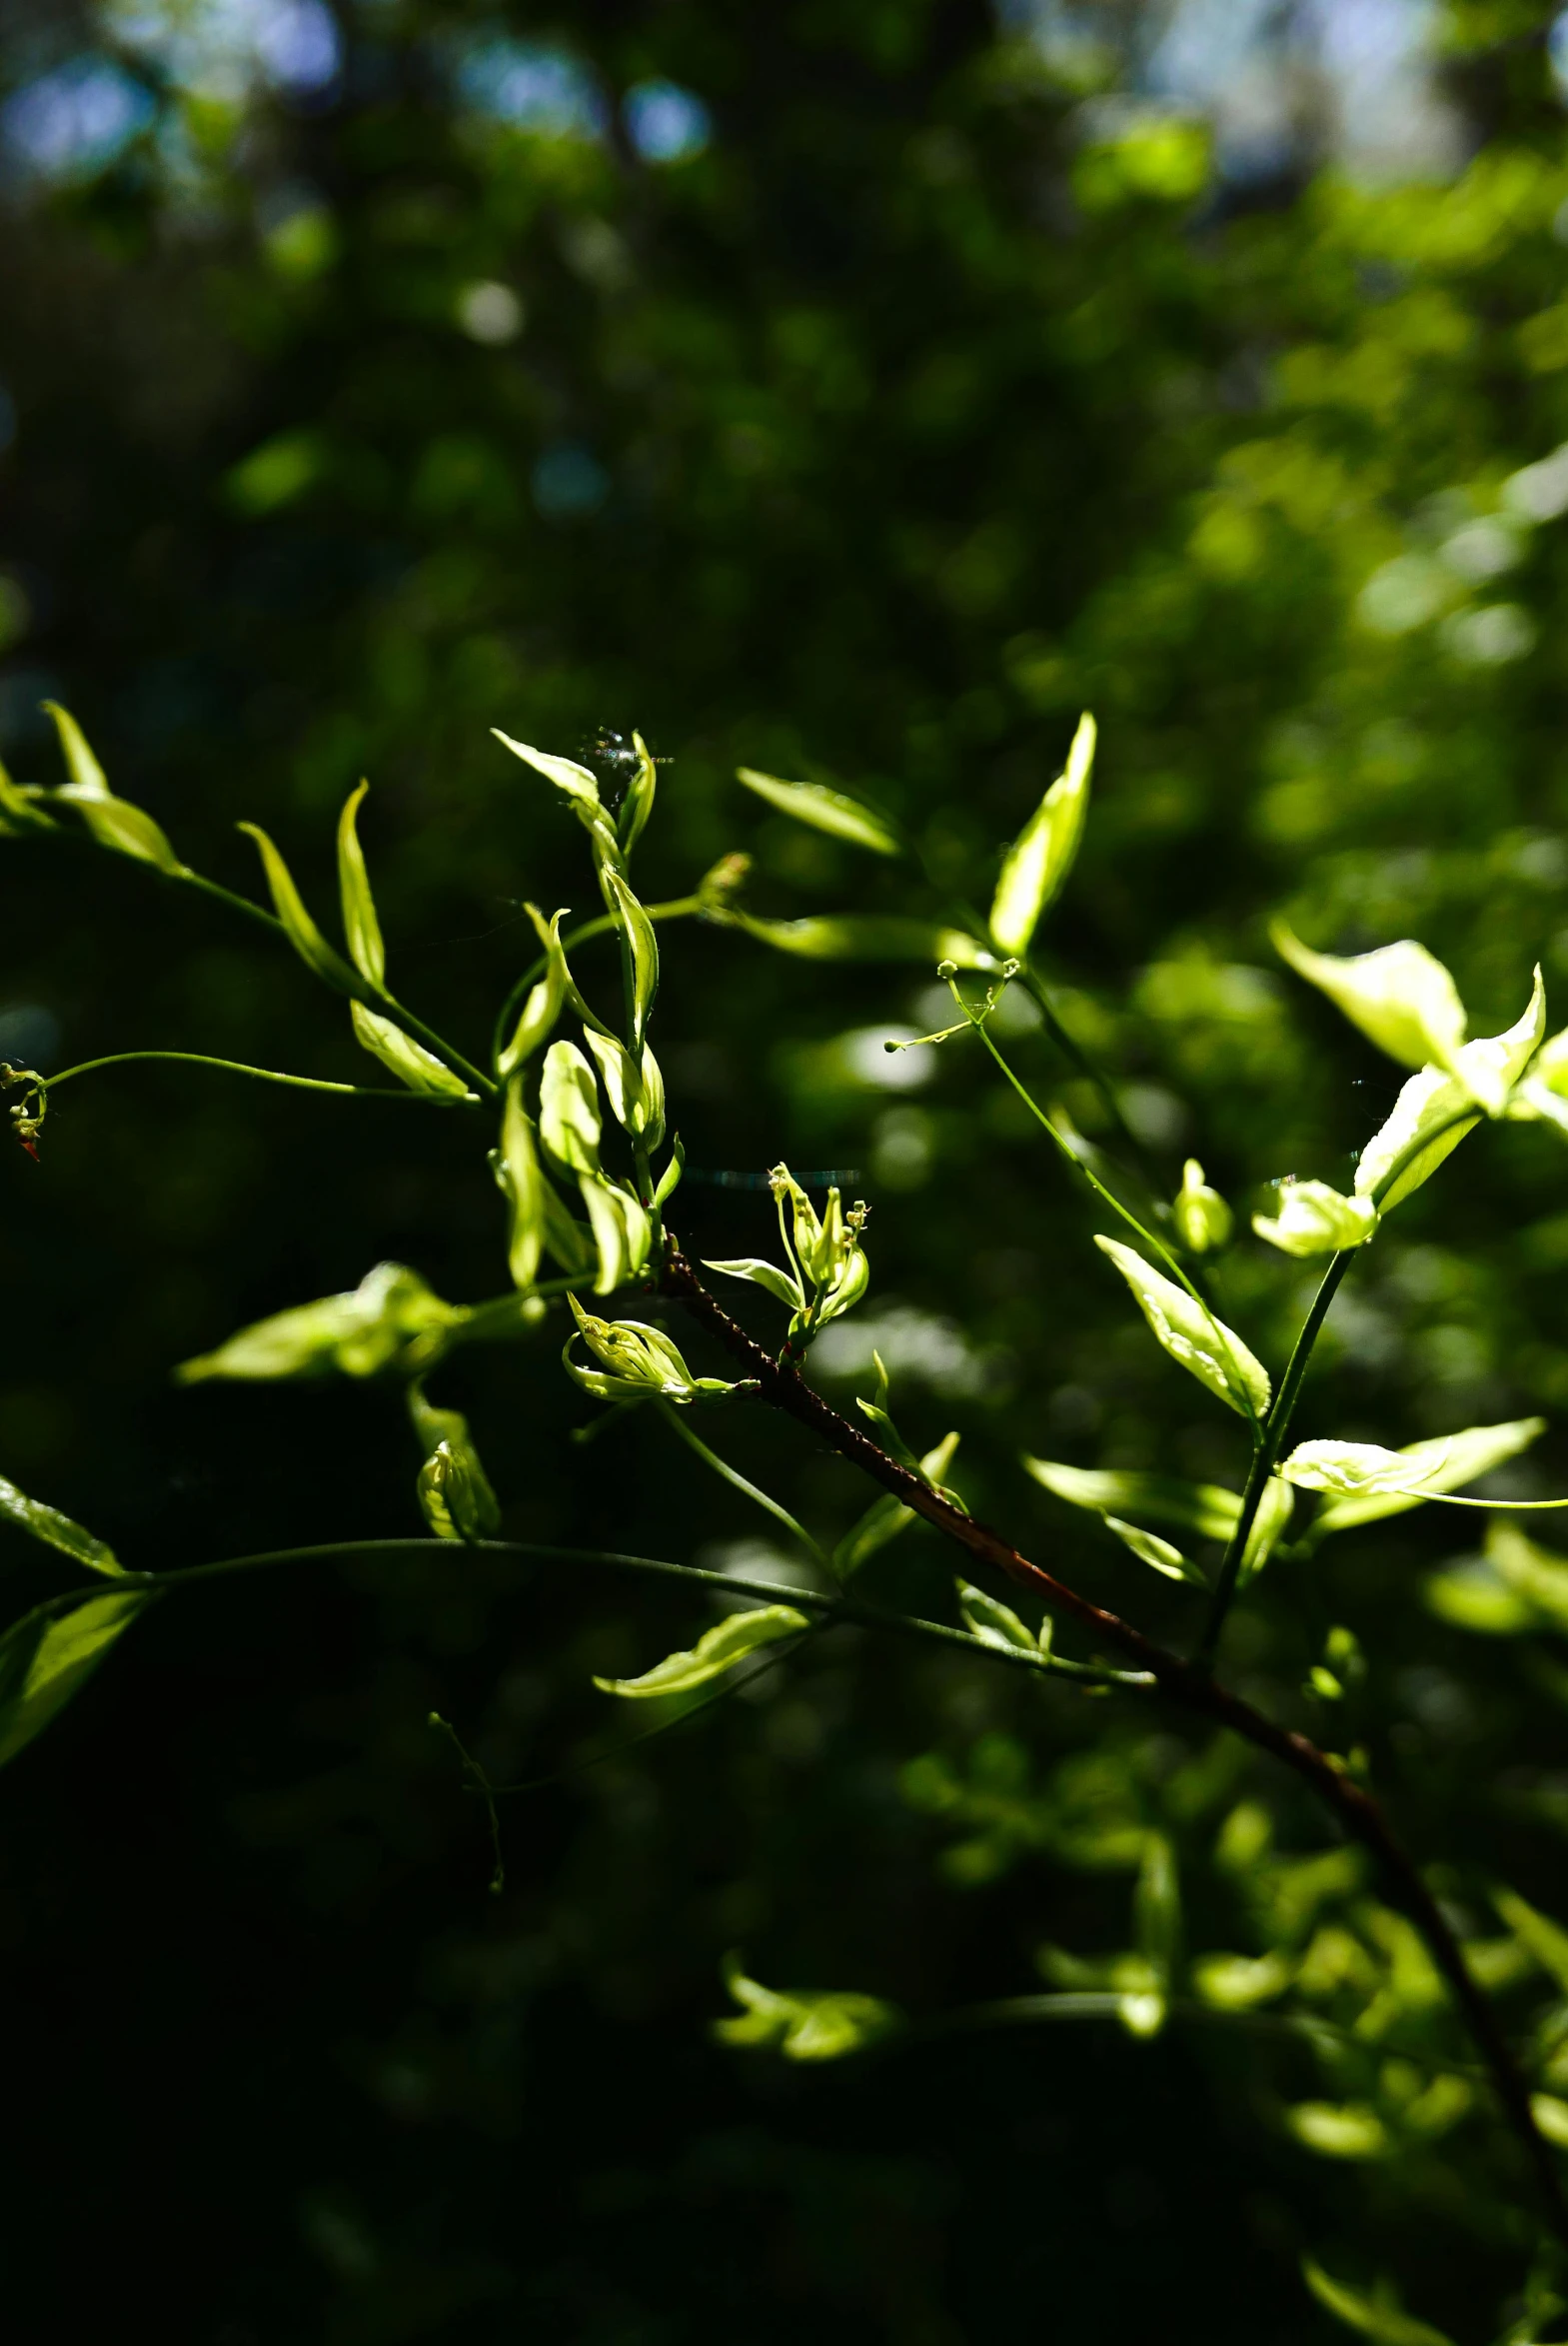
1271	1442
738	1481
1074	1052
234	1066
1181	1683
678	909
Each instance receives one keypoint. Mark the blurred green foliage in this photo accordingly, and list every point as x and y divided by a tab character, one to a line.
919	407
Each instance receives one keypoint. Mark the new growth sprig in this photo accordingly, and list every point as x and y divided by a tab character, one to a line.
578	1136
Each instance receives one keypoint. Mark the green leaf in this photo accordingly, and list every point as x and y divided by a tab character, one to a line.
1202	1344
824	809
301	931
44	1661
19	811
57	1530
886	1516
622	1231
1316	1220
568	1118
1551	2116
1528	1572
1490	1067
1471	1596
1443	1464
1400	996
1429	1119
358	1332
454	1490
1382	2322
1269	1526
638	801
759	1273
1204	1220
636	1094
1156	1908
525	1187
994	1623
360	924
409	1060
542	1006
114	823
1151	1549
803	2026
1203	1507
1044	853
867	937
716	1651
643	940
1339	2130
670	1180
1546	1940
576	784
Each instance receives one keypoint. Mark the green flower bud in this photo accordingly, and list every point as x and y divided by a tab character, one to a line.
1203	1220
638	1363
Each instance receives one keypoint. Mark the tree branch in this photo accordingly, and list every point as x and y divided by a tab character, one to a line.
1187	1687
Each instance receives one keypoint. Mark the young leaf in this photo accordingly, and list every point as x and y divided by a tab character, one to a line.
638	801
643	940
568	1120
1042	854
114	823
1268	1526
622	1231
1426	1466
301	931
525	1187
1203	1346
635	1094
360	924
1156	1908
1382	2323
357	1332
1353	1469
805	2027
886	1516
759	1273
994	1623
1400	996
1490	1067
409	1060
542	1006
42	1664
46	1523
454	1490
578	786
1544	1940
1204	1220
1316	1220
824	809
669	1180
1204	1507
867	937
1156	1553
1429	1119
716	1651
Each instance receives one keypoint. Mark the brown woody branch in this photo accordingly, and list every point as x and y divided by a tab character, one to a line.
1183	1683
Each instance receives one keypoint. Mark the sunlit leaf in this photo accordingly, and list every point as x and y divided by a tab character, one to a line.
643	941
1400	996
622	1231
1339	2130
1429	1119
1159	1553
543	1006
114	823
525	1187
568	1118
1384	2323
716	1650
409	1060
1269	1524
1204	1220
56	1530
1203	1346
803	2026
886	1516
867	937
993	1622
1044	853
1203	1507
759	1273
1426	1468
1316	1220
638	804
301	931
824	809
1546	1940
43	1661
360	924
357	1332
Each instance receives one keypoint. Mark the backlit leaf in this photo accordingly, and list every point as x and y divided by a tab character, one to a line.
1044	853
716	1650
869	937
1203	1507
1159	1553
57	1530
993	1622
1400	996
1383	2323
43	1662
1203	1346
802	2026
825	810
409	1060
301	931
1427	1466
360	924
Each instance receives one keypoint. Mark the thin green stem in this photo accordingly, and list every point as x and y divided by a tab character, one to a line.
234	1066
678	909
738	1481
1265	1457
831	1609
1074	1052
1089	1175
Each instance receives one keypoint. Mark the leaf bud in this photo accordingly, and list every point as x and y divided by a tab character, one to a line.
1316	1220
638	1363
1204	1220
